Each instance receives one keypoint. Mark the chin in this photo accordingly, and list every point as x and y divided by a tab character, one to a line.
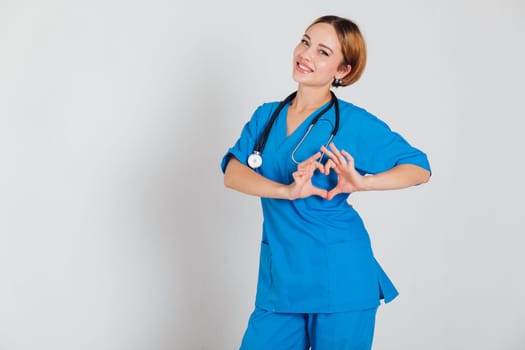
301	79
307	83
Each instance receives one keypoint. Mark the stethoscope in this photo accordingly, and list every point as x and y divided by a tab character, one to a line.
255	159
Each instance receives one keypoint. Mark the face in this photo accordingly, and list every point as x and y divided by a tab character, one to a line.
317	58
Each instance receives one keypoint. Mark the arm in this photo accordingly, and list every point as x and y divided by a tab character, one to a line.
239	177
350	180
400	176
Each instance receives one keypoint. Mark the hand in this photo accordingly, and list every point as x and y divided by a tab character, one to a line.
302	186
348	179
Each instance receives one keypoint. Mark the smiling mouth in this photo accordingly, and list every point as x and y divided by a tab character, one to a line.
303	68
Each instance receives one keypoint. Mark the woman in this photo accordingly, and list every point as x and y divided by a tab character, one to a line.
319	284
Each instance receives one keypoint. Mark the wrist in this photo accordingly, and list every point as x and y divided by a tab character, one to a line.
284	192
367	183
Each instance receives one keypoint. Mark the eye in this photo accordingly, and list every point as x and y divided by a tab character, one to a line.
323	52
305	42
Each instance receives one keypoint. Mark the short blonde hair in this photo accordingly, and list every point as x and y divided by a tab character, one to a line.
352	45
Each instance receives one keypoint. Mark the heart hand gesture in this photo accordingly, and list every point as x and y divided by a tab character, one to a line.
302	186
348	178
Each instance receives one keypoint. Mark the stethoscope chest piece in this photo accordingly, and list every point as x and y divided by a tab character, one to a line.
255	160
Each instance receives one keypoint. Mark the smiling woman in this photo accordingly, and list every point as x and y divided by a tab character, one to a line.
347	47
319	283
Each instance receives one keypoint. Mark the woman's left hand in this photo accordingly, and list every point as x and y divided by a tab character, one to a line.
348	178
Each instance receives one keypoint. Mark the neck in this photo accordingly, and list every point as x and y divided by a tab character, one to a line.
311	98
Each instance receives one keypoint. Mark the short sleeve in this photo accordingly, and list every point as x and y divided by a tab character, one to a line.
249	136
380	149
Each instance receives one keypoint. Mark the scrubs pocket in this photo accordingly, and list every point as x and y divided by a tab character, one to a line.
264	283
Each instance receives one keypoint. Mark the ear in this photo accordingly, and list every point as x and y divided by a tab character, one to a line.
343	71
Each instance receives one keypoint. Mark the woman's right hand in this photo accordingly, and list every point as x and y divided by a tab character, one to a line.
302	186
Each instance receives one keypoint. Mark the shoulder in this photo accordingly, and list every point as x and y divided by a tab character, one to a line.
359	116
268	106
264	110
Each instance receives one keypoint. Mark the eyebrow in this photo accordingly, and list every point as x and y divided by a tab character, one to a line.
322	45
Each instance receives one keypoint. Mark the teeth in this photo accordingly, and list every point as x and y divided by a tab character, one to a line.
304	68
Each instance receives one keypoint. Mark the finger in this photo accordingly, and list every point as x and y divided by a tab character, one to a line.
329	153
304	166
329	165
334	155
300	174
313	158
337	153
319	192
334	147
334	192
307	162
332	165
348	156
319	167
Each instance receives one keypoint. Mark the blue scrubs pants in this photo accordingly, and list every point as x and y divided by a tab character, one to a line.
335	331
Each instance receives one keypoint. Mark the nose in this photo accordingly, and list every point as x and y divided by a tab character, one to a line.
306	54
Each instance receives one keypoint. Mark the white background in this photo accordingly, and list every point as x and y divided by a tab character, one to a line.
116	232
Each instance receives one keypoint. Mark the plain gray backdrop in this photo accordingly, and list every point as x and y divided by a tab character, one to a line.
116	232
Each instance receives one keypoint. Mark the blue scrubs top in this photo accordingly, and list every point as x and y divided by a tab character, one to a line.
315	254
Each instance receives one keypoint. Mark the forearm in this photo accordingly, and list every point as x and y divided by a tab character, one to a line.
241	178
401	176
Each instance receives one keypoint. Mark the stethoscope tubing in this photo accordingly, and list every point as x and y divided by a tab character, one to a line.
255	159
